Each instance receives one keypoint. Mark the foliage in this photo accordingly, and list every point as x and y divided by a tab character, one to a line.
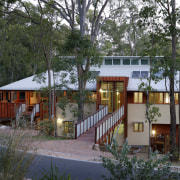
126	168
14	160
47	127
54	174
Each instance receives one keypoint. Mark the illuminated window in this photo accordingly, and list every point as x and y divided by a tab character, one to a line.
138	127
176	98
68	127
166	98
156	98
138	97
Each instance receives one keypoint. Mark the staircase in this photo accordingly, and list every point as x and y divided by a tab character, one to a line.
102	128
25	114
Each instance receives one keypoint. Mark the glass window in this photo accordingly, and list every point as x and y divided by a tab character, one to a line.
134	61
126	61
156	98
22	95
144	61
108	61
119	86
138	97
7	94
176	97
166	98
116	61
144	74
136	74
68	127
138	127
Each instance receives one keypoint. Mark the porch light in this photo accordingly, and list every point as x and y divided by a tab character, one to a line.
59	121
153	133
100	90
119	102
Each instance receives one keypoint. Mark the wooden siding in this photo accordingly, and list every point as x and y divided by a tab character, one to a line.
8	110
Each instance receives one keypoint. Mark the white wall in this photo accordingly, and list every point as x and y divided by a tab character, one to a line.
70	115
136	113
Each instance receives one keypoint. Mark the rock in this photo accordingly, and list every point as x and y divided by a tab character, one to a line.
96	147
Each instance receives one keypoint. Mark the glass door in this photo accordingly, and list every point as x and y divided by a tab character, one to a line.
107	95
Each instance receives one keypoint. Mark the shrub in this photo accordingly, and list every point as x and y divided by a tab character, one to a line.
14	160
47	127
126	168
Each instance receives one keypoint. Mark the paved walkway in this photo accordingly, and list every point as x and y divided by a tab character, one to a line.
81	148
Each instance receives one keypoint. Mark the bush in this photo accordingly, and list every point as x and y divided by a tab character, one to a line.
47	127
14	160
126	168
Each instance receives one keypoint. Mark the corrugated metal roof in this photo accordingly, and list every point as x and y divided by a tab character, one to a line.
105	71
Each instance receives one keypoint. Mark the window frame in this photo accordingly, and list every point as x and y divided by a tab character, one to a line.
138	98
67	127
139	127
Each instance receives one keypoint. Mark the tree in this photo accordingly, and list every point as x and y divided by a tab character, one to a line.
164	27
152	112
75	13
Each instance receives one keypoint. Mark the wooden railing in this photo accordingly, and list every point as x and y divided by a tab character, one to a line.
108	124
20	110
90	121
34	111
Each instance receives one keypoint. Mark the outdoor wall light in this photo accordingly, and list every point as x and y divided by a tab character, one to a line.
100	90
59	121
153	133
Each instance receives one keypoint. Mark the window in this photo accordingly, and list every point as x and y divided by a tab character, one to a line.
134	61
136	74
176	97
156	98
116	61
22	95
126	61
138	97
144	61
144	74
138	127
108	61
68	127
94	74
166	98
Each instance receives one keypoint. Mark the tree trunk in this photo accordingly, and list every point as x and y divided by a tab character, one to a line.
81	82
172	70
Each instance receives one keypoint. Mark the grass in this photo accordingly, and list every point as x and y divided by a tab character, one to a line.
14	160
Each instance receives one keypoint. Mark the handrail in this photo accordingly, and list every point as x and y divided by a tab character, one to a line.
20	110
90	121
34	111
108	124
